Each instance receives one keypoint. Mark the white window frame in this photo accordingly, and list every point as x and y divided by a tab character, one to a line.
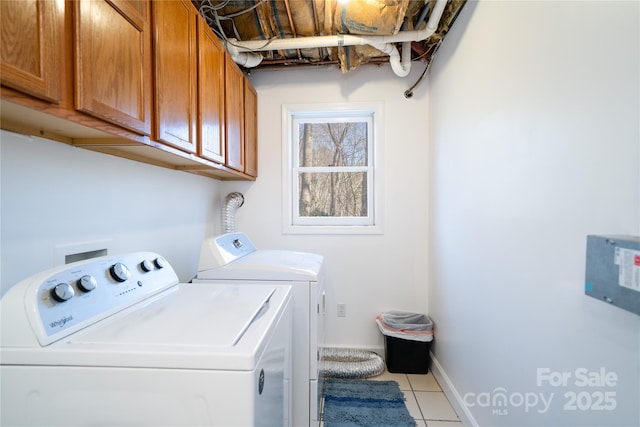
292	115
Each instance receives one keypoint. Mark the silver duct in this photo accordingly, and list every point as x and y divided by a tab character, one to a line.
350	363
231	203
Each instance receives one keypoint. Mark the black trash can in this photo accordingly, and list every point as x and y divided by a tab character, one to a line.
407	341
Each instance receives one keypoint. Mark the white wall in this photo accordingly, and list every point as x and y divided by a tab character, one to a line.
535	143
369	273
55	195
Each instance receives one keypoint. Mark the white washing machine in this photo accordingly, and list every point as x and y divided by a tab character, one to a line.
118	341
233	257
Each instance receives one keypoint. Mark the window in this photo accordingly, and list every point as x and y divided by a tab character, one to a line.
332	168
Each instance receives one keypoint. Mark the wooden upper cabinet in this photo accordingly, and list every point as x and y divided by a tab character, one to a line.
32	47
234	95
250	129
210	94
113	62
175	64
150	77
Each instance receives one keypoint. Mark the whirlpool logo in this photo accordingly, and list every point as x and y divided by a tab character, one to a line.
61	322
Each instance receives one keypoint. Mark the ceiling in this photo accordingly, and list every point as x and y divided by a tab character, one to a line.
237	21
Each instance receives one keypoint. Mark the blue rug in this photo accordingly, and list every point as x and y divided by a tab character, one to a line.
358	402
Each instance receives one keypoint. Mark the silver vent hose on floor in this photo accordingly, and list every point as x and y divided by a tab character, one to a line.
232	202
350	363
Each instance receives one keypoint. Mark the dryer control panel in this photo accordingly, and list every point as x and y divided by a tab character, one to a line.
63	300
224	249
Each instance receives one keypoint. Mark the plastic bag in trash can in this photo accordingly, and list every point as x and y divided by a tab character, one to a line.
408	326
404	320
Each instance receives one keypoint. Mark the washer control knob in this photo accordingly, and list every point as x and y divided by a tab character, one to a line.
237	243
62	292
146	266
119	272
87	283
160	262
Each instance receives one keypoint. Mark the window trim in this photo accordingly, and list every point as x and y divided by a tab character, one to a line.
292	112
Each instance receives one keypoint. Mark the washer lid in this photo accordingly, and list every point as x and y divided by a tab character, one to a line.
192	326
268	264
195	316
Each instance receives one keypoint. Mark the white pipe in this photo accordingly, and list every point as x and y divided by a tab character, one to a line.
247	59
406	55
401	68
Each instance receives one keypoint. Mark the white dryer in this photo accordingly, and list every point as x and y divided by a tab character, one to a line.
233	257
118	341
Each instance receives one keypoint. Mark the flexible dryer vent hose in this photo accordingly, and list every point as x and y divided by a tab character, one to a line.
350	363
231	203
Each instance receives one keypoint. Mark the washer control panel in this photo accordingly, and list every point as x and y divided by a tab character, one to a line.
68	298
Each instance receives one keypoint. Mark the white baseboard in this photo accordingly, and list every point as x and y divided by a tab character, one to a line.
452	394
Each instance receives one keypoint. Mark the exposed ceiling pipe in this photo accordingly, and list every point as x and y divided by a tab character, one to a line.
244	52
246	59
400	66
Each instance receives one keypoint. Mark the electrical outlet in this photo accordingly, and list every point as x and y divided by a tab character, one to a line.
342	310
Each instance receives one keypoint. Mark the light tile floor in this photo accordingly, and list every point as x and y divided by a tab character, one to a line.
425	400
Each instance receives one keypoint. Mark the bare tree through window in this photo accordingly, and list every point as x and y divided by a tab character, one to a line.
333	169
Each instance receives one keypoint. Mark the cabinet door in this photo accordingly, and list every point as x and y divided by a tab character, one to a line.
234	105
176	74
250	129
113	62
32	46
210	94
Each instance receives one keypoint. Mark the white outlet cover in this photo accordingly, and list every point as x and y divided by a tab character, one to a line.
342	310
